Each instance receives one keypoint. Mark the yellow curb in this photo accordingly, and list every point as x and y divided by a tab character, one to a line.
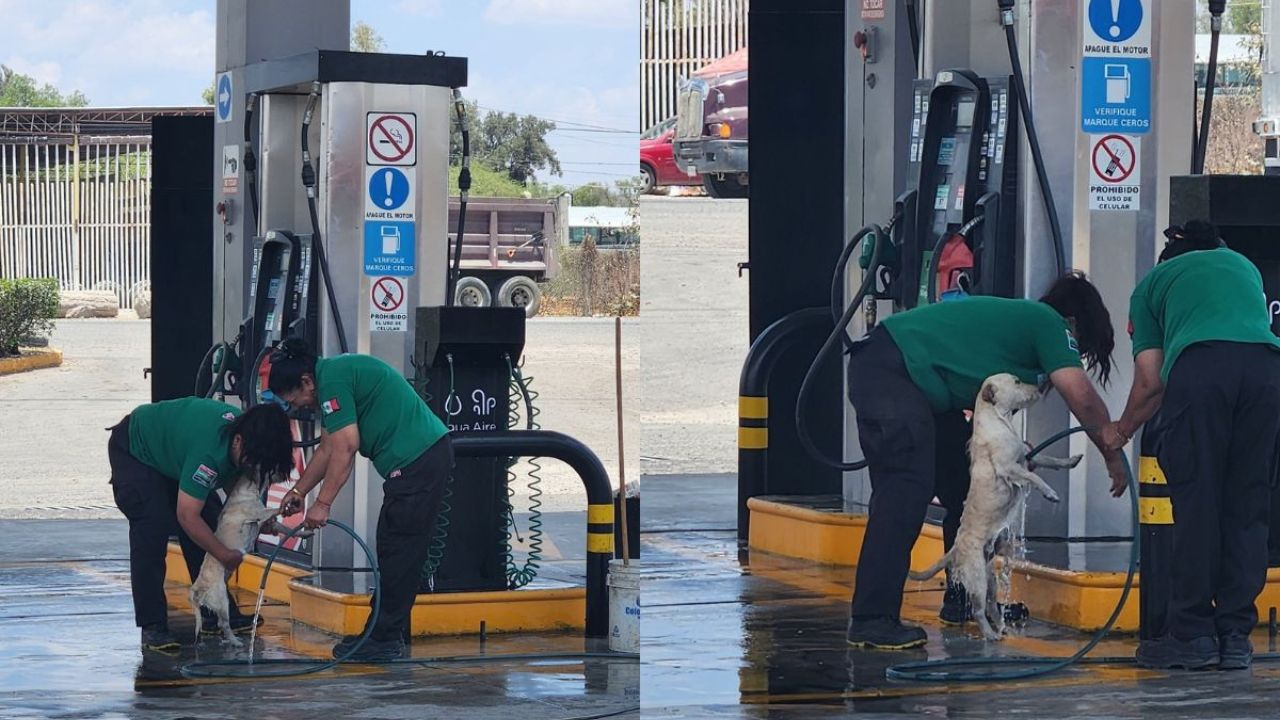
32	360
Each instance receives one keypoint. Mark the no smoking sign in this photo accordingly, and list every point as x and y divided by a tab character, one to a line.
387	309
1115	175
391	139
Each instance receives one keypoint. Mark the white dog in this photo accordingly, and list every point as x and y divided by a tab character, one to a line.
999	483
237	526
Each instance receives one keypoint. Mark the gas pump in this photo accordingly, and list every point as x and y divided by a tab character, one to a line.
954	236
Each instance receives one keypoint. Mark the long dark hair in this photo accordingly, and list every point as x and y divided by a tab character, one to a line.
292	359
1195	235
1073	296
266	442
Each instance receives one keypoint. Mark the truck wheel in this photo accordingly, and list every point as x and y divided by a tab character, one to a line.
521	292
472	292
726	188
648	180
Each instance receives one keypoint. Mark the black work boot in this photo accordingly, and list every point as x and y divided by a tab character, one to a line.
345	644
378	651
241	624
955	605
884	633
156	637
1236	652
1170	652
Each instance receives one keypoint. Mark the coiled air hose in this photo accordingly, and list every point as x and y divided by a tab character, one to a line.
275	667
309	183
958	669
880	238
440	534
519	576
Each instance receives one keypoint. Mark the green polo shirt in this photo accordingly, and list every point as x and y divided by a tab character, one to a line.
395	425
951	348
1196	297
183	439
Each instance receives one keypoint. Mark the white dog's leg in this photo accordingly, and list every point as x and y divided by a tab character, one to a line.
1035	481
1055	463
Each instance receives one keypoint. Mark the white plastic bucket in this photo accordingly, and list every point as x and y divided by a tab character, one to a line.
624	606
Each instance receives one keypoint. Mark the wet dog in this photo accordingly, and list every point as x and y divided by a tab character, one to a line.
998	486
237	525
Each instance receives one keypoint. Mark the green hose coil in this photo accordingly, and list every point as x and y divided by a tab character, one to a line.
440	534
518	576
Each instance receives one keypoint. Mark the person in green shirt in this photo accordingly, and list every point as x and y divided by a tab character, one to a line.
910	381
367	406
1206	358
167	458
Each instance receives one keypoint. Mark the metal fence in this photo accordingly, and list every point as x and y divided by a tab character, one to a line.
677	38
77	209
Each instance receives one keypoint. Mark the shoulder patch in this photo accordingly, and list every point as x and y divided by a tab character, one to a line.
330	406
205	476
228	416
1071	342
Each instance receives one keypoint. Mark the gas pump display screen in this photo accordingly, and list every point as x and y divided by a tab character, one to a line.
946	151
964	113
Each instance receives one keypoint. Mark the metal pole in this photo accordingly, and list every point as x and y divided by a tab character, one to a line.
622	456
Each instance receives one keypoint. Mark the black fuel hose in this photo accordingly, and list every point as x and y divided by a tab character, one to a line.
309	183
464	188
250	161
1037	157
880	238
1216	8
206	367
913	26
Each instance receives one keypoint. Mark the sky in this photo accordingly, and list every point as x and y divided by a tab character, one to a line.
573	61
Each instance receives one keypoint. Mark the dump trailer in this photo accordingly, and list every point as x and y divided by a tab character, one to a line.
509	245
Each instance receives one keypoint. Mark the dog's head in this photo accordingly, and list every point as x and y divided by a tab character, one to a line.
1006	393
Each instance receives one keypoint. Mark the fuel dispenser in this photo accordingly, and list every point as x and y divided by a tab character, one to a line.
955	227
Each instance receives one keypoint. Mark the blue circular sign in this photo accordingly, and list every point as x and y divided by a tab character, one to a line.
223	97
388	188
1115	20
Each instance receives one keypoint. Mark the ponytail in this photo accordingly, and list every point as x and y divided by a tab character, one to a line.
291	359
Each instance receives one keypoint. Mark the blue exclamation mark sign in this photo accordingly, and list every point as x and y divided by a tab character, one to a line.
1115	20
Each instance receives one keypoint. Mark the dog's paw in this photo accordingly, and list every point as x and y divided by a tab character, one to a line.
1052	496
1074	460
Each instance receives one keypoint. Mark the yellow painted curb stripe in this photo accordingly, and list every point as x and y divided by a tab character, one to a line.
1155	511
600	543
1149	472
754	408
753	438
37	360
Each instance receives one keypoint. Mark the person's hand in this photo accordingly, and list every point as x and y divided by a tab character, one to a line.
230	559
1112	437
1118	469
317	515
292	503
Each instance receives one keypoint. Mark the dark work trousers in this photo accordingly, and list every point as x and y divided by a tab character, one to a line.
912	454
1219	420
410	505
150	501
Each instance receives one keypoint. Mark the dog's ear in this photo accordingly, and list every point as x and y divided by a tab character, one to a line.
989	394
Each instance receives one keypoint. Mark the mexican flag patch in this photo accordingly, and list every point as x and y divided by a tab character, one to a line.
205	476
330	406
229	416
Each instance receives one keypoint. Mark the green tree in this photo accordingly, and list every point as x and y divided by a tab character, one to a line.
207	95
18	90
1244	18
506	142
365	39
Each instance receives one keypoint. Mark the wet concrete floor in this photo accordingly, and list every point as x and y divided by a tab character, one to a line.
730	634
69	649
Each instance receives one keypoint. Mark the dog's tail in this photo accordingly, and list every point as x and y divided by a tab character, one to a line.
933	569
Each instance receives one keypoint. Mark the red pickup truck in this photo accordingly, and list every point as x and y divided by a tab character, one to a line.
657	159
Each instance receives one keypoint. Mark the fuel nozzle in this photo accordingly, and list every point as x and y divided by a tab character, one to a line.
1006	11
